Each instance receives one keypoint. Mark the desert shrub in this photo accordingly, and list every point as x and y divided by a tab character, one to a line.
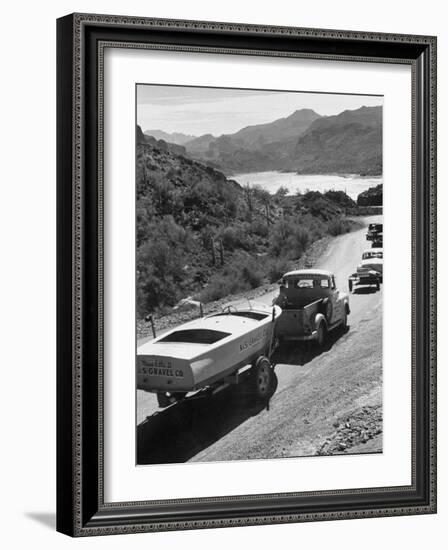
161	259
338	227
276	268
340	198
233	237
289	238
238	275
206	235
259	227
251	271
281	193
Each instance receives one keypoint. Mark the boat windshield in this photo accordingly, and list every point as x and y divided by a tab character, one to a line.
255	315
195	336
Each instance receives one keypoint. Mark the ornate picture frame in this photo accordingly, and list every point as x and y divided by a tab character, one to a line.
81	506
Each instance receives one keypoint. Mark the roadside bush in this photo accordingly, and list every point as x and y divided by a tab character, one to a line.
233	237
277	268
338	227
289	238
259	227
242	273
161	260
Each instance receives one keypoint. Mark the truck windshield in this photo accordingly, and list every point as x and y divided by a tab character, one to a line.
307	283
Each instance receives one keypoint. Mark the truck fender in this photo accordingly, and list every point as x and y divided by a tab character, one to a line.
347	306
320	318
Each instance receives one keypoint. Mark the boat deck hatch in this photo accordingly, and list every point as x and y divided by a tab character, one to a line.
248	314
195	336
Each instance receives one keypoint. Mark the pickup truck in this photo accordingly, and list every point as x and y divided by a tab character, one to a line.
311	306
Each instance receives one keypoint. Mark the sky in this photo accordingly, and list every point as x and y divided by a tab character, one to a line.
197	111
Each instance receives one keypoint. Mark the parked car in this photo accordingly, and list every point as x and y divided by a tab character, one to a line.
374	231
372	253
311	306
368	273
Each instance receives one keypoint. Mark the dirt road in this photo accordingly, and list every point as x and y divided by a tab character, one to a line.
326	401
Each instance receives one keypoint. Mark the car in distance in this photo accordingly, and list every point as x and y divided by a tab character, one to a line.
368	273
372	253
374	231
311	306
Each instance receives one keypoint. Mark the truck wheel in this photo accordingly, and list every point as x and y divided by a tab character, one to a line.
321	335
344	321
262	378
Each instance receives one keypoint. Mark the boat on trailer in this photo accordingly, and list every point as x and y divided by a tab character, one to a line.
210	352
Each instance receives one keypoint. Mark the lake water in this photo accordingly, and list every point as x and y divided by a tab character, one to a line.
271	181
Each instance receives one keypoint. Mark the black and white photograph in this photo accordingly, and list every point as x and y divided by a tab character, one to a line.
259	274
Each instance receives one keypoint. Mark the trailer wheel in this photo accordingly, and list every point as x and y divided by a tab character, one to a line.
262	378
165	401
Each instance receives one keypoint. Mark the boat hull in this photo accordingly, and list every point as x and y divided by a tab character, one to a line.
167	373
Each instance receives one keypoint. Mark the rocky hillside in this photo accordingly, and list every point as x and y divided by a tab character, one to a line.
350	142
371	197
201	234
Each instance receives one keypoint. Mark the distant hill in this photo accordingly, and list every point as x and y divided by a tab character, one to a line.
372	197
304	142
176	137
199	145
159	143
283	128
201	234
350	142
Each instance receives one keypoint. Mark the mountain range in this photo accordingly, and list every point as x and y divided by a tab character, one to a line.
304	142
176	137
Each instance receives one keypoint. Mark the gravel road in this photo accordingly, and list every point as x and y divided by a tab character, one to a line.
326	401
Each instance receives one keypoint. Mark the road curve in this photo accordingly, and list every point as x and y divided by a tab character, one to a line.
317	392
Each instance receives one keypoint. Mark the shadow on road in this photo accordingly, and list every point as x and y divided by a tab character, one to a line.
301	353
181	431
365	290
